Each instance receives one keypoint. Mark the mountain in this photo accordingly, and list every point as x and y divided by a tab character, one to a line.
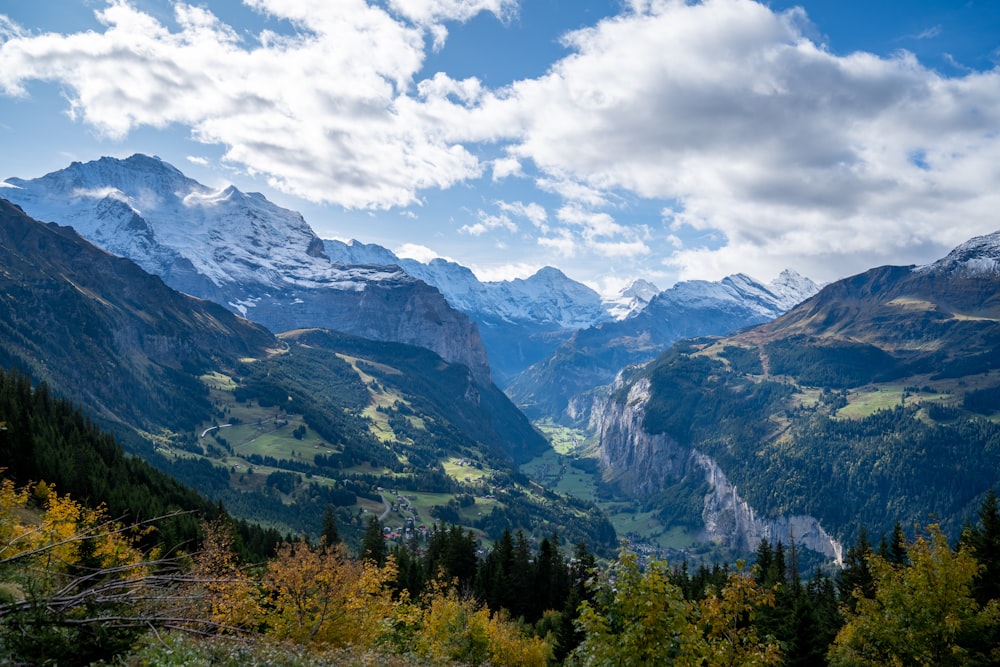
274	427
631	299
106	333
243	252
560	386
546	297
520	321
874	401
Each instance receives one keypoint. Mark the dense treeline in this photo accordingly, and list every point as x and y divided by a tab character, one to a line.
449	602
837	365
46	438
892	464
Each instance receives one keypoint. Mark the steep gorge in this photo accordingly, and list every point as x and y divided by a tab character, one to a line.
642	464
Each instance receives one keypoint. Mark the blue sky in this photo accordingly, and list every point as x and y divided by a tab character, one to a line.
615	139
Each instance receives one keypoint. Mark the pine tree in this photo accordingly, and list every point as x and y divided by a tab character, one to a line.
984	540
894	550
855	576
329	534
373	543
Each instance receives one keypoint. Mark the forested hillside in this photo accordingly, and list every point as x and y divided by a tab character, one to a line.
43	438
276	429
81	585
865	456
872	402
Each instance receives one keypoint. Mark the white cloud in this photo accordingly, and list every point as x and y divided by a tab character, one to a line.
508	271
9	29
421	253
505	167
929	33
198	160
531	211
488	223
322	113
562	243
791	154
427	12
601	235
574	191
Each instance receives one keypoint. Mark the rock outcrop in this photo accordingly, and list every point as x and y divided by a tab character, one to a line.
642	464
396	308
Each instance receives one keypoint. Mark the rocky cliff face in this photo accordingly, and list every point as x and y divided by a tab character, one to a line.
641	464
396	308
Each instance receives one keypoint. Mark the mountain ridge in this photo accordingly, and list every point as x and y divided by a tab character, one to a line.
244	252
874	401
559	386
275	428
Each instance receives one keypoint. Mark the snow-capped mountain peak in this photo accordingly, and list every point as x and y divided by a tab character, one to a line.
548	297
224	235
244	252
977	256
791	288
631	300
741	291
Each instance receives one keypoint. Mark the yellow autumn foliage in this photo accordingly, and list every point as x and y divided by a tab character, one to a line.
57	535
457	628
230	595
319	595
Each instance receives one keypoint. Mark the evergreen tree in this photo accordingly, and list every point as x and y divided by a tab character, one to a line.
855	577
984	540
521	578
894	551
764	562
779	575
330	534
551	585
373	543
409	571
493	583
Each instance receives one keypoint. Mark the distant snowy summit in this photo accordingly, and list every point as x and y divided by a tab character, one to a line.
244	252
266	263
738	293
979	255
631	299
147	210
547	297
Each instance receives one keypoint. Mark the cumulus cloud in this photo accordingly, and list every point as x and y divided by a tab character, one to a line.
506	167
531	211
505	271
317	111
754	133
421	253
488	223
791	152
601	234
